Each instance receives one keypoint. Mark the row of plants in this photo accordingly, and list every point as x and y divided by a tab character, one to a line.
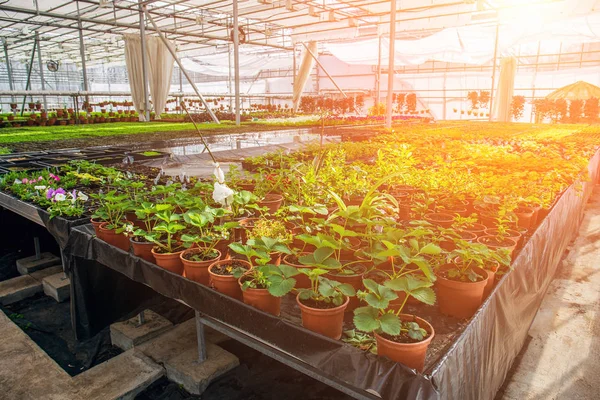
385	230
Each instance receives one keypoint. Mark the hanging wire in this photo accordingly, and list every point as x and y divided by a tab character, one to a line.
199	133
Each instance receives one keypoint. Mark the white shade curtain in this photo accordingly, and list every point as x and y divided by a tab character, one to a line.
160	71
306	66
506	86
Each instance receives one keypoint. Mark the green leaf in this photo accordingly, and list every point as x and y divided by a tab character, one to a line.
371	285
282	288
425	295
366	321
322	253
431	249
347	289
238	248
390	324
288	271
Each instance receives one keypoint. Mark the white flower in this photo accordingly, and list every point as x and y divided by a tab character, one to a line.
17	182
39	187
60	197
82	196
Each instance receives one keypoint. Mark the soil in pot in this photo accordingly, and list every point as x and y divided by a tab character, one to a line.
261	299
459	299
111	237
477	229
142	248
440	219
323	318
169	261
404	349
222	280
272	201
196	264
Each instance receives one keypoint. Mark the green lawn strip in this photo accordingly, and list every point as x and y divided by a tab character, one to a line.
4	150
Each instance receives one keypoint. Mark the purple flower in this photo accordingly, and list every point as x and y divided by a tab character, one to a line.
49	193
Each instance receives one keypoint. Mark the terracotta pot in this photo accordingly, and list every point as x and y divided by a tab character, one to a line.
410	354
272	201
355	280
440	219
525	216
477	229
226	284
143	250
355	243
302	281
491	280
328	322
96	225
460	299
261	299
169	261
512	234
197	270
492	243
246	224
247	186
111	237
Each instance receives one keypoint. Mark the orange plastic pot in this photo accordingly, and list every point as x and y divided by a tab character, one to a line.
143	250
272	201
111	237
261	299
226	284
197	270
327	322
460	299
525	216
169	261
96	225
410	354
491	280
492	243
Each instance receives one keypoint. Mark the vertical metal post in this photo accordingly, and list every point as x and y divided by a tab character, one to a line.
229	77
378	77
390	88
37	39
36	246
236	61
202	356
294	67
537	60
29	68
9	71
141	318
494	75
82	55
144	60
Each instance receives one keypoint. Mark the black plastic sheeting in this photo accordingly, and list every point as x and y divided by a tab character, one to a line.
59	228
474	367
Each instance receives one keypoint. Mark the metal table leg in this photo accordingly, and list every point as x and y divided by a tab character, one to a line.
201	339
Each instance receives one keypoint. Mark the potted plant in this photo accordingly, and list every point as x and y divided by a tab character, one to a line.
141	246
112	211
264	285
401	337
201	251
324	303
167	249
461	283
222	277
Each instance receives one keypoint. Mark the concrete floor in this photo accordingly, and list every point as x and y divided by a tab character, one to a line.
561	359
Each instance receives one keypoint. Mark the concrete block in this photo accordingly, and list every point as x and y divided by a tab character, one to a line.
41	274
17	289
128	334
121	377
177	350
27	265
57	286
194	376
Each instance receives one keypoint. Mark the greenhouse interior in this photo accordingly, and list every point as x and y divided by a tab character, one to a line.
338	199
